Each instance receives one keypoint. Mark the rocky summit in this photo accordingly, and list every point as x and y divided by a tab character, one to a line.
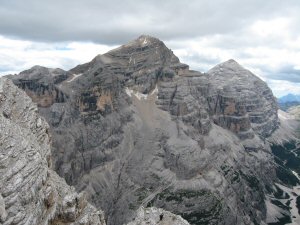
136	128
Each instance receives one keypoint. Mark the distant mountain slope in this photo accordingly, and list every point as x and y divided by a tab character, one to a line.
295	111
289	98
288	101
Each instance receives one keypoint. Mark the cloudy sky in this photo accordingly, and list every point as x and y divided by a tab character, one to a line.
263	36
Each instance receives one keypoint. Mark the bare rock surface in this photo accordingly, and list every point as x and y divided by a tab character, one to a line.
287	131
30	191
295	111
155	216
138	128
243	102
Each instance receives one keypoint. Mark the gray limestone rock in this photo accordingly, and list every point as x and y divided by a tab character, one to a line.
156	216
30	191
241	101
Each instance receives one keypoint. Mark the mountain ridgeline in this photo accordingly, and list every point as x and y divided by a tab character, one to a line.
288	101
135	127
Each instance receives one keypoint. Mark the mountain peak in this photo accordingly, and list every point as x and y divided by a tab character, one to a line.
141	42
228	67
231	63
147	39
41	71
36	67
289	98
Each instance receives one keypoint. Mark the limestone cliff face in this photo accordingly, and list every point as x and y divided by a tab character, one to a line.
228	95
138	128
241	102
30	192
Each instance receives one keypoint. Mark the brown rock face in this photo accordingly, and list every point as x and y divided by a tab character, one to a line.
44	96
96	101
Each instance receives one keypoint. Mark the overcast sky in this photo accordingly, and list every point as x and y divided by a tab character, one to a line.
263	36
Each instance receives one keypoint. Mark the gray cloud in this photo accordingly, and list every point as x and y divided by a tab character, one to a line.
200	62
117	21
202	33
286	72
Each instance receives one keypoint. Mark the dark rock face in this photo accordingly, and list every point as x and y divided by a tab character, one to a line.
139	128
39	84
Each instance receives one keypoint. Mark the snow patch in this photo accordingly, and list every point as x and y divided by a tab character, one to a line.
296	174
75	76
145	41
139	95
128	92
155	90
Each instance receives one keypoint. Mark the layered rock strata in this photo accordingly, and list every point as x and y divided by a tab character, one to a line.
30	192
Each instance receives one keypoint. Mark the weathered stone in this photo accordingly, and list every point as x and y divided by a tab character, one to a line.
155	216
3	213
30	192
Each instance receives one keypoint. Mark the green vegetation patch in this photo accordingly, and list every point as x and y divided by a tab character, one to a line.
180	195
251	180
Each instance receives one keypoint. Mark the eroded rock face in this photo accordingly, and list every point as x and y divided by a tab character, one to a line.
140	129
241	102
30	192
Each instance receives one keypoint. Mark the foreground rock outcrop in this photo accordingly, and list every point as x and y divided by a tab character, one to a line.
30	192
154	216
137	128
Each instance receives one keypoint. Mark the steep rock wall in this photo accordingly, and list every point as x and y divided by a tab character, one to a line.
30	192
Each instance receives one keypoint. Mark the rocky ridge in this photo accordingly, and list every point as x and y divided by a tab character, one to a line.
30	191
138	128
